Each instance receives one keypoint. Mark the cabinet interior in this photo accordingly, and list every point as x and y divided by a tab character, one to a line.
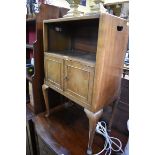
73	39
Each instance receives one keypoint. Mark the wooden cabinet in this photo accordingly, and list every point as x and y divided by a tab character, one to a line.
84	58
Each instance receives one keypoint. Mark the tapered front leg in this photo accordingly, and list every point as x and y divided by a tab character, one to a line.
93	119
45	94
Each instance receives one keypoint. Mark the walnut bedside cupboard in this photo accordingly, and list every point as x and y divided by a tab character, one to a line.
83	60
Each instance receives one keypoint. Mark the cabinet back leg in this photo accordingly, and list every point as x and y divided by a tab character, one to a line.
114	107
93	119
45	89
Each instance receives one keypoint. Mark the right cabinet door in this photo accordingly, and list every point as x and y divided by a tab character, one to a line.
78	81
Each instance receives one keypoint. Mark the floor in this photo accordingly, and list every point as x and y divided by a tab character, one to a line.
66	132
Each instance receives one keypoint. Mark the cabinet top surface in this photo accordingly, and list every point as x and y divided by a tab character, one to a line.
86	17
72	19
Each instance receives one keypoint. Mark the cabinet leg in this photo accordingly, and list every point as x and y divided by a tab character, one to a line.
45	94
93	119
114	107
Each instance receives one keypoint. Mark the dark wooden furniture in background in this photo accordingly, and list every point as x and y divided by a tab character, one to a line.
31	145
34	49
83	60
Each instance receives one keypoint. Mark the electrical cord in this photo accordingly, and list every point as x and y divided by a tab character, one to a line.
101	128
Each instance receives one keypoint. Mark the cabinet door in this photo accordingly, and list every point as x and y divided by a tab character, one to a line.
78	81
54	71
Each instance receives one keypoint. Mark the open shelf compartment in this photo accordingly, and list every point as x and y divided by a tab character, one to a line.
72	39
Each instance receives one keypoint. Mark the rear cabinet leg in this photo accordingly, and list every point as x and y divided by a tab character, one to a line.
114	107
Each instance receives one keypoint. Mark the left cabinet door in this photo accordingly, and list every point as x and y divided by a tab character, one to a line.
53	71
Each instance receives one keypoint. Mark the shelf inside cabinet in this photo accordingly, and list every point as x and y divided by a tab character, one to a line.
29	46
80	56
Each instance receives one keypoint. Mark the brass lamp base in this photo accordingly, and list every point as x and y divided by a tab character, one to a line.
73	12
97	8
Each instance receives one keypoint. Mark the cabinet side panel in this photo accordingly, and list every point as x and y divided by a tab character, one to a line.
112	45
